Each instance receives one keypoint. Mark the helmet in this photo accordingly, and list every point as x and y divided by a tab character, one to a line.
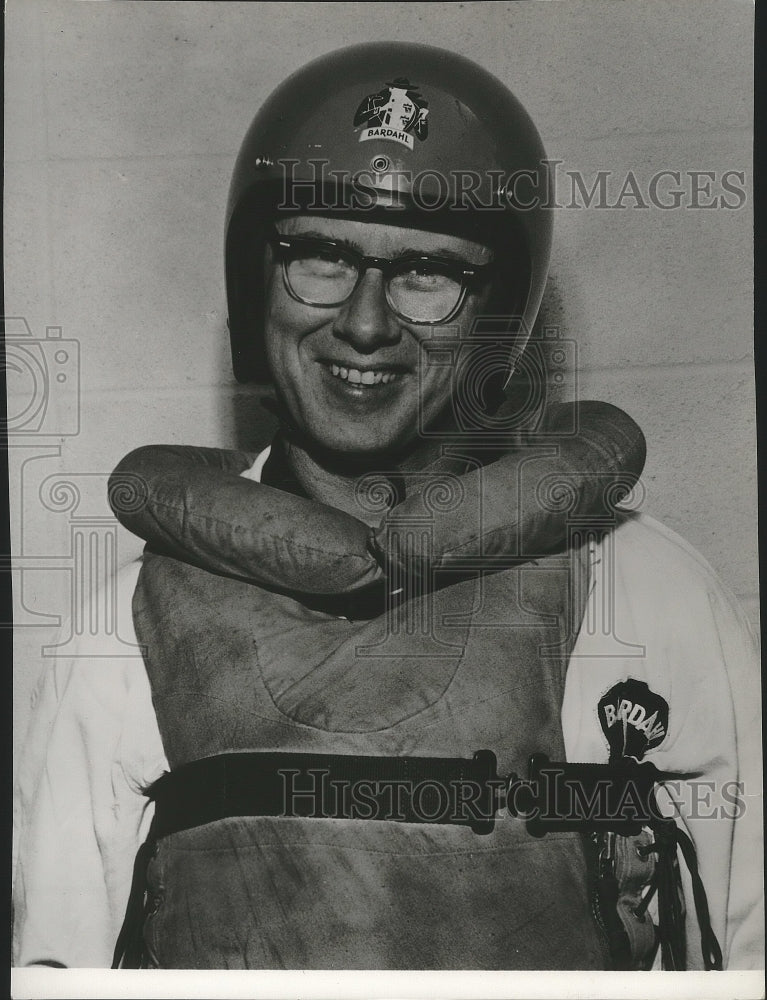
397	130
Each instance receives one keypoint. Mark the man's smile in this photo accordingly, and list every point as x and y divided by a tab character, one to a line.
359	374
359	377
353	382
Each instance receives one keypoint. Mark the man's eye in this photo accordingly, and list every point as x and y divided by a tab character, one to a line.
424	277
321	263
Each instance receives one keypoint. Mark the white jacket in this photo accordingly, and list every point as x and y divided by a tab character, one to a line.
656	613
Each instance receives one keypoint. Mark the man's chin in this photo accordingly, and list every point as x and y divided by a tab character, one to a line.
359	452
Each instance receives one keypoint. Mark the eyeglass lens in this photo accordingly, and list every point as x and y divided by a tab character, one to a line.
421	291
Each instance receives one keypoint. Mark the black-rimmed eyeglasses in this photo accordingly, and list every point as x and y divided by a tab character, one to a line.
419	288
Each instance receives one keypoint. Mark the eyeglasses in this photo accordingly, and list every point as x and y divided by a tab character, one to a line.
419	288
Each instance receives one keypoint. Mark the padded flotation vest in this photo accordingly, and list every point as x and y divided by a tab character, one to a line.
478	663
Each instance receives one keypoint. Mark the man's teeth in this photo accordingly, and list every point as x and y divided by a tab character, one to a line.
362	378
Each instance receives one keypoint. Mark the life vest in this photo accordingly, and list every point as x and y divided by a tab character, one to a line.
477	663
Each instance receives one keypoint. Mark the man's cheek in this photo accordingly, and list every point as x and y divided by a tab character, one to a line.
436	389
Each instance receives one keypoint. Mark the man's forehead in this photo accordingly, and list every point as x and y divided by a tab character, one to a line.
386	239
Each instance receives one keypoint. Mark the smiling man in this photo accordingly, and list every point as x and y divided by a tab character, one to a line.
349	306
328	366
354	642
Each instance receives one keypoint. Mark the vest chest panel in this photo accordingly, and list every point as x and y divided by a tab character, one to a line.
477	664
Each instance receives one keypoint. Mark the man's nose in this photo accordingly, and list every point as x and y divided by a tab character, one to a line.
365	321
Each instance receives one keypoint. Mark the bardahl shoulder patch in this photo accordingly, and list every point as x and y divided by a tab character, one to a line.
633	718
398	112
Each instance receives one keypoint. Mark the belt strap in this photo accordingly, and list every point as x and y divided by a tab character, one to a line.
452	790
445	790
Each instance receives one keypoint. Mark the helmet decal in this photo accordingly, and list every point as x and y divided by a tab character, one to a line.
398	112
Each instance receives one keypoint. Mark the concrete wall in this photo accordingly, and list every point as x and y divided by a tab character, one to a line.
122	123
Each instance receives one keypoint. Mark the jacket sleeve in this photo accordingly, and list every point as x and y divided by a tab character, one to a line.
658	614
79	815
744	941
717	742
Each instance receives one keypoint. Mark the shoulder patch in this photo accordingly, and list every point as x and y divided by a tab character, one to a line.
633	718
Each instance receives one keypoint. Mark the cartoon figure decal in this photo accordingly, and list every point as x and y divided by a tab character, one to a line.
398	112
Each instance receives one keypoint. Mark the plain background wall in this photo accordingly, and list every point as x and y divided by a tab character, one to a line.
122	124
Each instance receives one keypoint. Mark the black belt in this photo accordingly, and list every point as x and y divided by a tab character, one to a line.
464	792
446	790
453	790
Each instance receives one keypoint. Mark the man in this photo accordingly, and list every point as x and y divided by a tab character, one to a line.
392	644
